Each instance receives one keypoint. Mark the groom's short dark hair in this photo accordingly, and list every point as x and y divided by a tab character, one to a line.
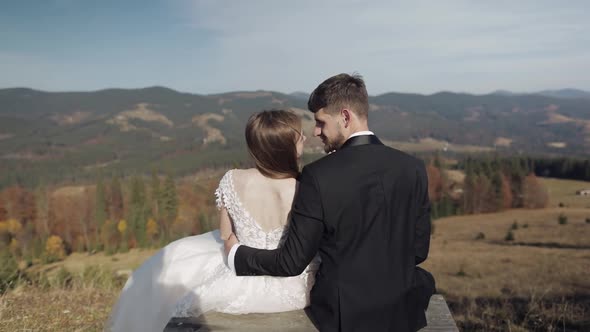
339	91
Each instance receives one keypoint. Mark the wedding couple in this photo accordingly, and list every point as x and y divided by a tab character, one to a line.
343	237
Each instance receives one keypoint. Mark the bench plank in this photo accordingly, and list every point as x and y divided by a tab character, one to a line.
438	316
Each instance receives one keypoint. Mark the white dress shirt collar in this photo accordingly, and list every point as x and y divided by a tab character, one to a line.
360	133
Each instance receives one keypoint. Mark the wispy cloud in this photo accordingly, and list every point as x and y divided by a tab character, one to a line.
392	44
208	46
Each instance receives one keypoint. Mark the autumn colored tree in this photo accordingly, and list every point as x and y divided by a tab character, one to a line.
21	207
27	213
84	220
100	208
3	211
108	235
54	249
478	194
4	235
69	216
435	183
535	195
182	227
506	193
122	228
25	209
11	198
14	227
151	231
116	199
42	209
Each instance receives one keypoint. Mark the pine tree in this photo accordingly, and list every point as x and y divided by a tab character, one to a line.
108	235
469	188
116	199
498	193
100	208
517	175
138	211
169	204
156	196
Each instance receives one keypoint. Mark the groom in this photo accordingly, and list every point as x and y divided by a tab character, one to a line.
365	210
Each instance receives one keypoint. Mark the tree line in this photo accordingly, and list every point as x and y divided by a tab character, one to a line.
113	215
564	168
490	184
118	213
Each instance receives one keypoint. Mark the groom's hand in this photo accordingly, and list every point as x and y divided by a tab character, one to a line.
230	242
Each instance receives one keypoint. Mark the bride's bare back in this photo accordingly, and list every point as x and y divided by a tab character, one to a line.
268	201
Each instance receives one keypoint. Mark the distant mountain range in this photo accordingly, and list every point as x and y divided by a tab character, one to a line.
562	93
74	134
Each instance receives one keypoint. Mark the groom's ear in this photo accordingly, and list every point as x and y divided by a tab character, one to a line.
345	114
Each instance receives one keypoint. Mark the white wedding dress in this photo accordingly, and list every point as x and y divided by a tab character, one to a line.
189	277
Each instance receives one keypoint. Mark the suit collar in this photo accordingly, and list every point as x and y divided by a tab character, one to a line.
361	140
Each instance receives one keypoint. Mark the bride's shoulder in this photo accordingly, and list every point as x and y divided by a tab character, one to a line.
243	173
239	177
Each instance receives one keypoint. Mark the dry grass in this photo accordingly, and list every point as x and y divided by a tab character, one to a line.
77	262
564	191
33	309
538	281
430	144
491	267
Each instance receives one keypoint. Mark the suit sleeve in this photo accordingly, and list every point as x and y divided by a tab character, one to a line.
422	225
302	240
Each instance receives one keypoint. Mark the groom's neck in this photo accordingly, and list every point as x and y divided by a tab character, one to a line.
356	127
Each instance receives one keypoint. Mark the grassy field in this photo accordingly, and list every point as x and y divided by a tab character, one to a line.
430	144
536	281
564	191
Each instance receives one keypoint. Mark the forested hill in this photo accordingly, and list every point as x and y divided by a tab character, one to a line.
71	134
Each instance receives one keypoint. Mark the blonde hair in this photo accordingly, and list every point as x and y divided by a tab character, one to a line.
271	137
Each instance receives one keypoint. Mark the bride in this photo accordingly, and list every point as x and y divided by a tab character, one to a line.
189	276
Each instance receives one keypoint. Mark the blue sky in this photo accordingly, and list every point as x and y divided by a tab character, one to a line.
218	46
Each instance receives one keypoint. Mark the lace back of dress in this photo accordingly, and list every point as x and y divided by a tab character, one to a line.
247	230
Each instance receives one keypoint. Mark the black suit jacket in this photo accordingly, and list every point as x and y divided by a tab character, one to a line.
365	209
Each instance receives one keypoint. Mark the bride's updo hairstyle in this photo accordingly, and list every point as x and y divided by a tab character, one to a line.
271	137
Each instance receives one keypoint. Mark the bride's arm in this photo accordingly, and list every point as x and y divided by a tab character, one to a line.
225	226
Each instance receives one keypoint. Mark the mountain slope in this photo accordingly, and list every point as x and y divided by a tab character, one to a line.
74	134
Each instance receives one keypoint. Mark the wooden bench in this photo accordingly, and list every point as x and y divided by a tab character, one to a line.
438	316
